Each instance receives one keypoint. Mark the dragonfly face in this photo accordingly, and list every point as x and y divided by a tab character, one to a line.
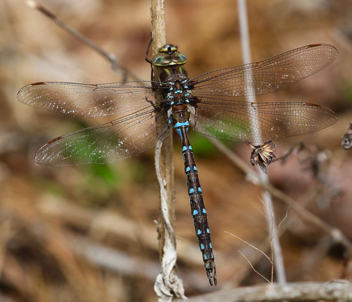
145	121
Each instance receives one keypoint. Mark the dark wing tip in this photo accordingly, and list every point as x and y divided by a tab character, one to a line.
313	104
37	83
314	45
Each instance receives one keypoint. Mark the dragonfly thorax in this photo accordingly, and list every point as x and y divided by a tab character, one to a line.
179	93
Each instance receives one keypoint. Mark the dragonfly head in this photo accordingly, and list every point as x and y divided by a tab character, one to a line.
169	56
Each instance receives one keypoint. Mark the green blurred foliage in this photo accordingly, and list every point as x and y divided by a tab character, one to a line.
201	145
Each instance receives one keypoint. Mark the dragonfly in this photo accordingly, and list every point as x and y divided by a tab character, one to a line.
150	109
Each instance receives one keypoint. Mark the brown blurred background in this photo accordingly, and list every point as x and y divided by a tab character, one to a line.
87	233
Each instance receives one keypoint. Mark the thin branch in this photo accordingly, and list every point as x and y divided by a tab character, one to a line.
303	291
168	285
269	215
268	203
111	58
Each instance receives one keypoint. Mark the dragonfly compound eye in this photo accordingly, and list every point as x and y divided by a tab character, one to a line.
168	48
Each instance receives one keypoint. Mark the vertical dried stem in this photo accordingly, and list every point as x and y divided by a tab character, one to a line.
167	284
278	259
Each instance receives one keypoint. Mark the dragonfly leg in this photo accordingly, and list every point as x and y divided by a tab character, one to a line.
147	52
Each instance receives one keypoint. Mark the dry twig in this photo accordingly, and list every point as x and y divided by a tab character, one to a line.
303	291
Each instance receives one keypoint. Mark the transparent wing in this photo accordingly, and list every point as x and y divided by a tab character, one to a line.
232	120
122	138
86	100
266	76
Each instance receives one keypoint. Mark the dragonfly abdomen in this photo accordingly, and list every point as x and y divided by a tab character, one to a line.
198	210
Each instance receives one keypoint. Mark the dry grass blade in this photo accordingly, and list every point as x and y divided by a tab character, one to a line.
265	255
266	279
